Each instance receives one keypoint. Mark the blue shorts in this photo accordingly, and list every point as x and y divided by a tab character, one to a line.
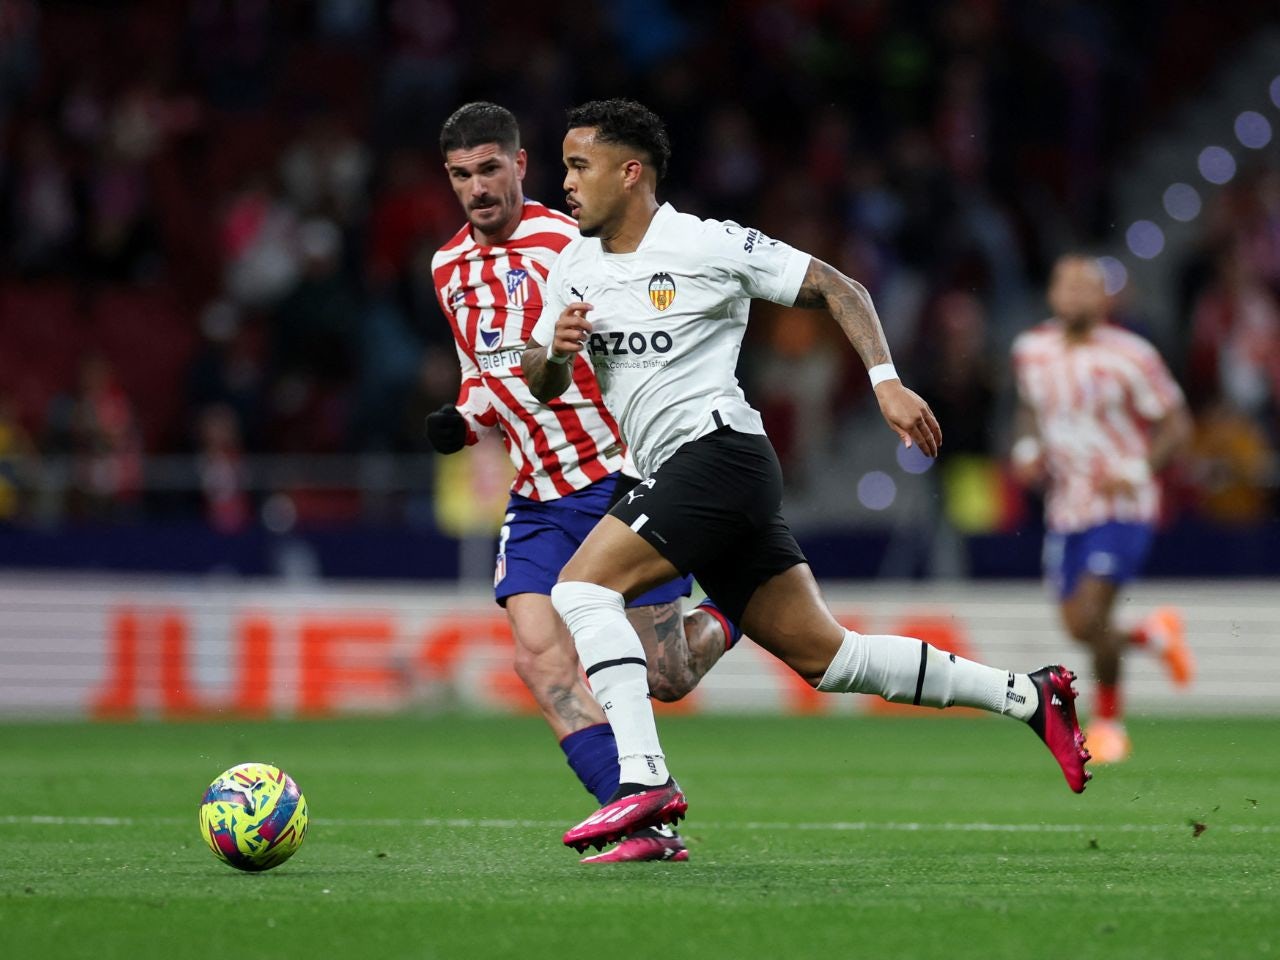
1113	551
539	537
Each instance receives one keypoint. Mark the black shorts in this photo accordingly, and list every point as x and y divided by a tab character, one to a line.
713	510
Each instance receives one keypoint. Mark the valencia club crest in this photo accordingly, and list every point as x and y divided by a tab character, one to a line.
662	290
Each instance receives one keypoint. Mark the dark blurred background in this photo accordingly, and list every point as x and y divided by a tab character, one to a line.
218	338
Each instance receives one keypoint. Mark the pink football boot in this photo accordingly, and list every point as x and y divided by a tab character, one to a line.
651	843
645	807
1055	723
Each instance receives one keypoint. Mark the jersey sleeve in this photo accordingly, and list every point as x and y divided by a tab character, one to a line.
767	269
553	304
475	402
1018	353
1155	392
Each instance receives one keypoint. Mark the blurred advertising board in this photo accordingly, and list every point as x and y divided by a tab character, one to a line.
120	648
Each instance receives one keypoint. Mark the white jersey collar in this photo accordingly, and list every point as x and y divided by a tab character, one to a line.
663	214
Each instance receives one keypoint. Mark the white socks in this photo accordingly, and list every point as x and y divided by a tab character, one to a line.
613	657
906	670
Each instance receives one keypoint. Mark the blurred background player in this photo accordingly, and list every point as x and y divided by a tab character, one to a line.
676	290
568	455
1099	416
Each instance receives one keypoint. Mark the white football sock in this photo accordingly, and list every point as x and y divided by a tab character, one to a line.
613	657
906	670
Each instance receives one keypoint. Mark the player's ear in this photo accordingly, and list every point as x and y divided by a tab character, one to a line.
632	172
522	163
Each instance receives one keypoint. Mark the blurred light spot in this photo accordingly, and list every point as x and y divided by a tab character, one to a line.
1275	91
1253	130
876	490
1114	275
1145	239
1182	202
279	514
1217	165
912	460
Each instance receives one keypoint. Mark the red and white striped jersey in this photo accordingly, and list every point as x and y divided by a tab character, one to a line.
493	297
1094	401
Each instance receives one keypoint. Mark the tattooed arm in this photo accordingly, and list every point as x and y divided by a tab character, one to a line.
549	378
850	304
546	380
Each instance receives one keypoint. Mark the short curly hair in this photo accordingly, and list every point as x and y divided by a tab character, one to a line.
626	122
473	124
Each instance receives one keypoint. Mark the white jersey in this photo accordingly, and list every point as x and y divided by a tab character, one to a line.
668	322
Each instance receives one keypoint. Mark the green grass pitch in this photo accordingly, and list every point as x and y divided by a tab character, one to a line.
438	837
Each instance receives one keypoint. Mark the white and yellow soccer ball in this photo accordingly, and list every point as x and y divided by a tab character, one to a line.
253	817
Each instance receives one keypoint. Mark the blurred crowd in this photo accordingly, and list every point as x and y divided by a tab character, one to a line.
216	216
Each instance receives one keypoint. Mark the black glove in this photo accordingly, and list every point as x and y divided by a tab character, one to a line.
446	429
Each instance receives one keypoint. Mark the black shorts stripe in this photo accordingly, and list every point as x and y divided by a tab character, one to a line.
715	415
924	661
605	664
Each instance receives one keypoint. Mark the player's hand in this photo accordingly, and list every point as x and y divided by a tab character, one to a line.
1029	474
1124	478
909	416
572	329
446	429
1027	463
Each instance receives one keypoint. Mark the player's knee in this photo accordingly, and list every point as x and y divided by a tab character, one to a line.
1088	632
1079	632
526	667
546	671
529	666
1085	622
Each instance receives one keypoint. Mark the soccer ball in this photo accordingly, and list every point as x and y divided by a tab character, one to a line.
253	817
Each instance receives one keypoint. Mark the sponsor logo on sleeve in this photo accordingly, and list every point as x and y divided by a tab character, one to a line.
755	238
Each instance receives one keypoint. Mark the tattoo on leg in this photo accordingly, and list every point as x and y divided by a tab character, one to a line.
681	649
706	640
570	707
670	676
